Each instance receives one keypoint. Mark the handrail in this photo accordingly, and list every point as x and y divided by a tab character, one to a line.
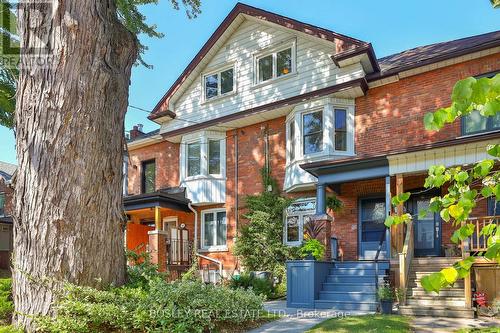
477	242
381	242
405	258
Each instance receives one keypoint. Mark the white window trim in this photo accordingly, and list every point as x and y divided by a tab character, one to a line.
328	107
301	216
273	51
219	95
217	248
203	137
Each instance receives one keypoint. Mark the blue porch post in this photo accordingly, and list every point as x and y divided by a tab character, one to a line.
320	199
388	212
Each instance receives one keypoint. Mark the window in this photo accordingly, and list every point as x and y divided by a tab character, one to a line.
148	176
296	216
193	159
291	138
312	128
214	232
474	123
218	84
2	204
274	65
340	130
214	157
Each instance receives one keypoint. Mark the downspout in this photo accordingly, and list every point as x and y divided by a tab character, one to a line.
218	262
236	201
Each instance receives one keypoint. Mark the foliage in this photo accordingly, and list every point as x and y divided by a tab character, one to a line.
10	329
260	243
334	203
495	3
386	293
6	305
312	229
312	247
142	271
249	281
366	323
8	76
466	185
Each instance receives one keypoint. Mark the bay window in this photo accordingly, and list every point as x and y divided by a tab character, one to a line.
312	129
275	64
214	157
340	118
219	83
214	229
203	155
193	159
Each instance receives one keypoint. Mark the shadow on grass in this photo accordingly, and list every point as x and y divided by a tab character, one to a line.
368	323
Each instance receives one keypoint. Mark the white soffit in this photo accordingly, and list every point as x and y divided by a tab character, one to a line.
448	156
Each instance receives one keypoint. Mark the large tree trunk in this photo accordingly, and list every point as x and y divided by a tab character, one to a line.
69	127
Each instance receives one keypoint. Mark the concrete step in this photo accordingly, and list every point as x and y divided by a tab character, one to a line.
434	260
416	284
352	279
346	306
453	292
436	302
452	312
350	296
365	287
361	264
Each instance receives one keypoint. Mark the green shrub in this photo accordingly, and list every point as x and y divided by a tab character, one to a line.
10	329
142	270
6	305
312	247
259	286
182	306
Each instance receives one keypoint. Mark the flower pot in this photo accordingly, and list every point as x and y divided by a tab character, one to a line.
386	307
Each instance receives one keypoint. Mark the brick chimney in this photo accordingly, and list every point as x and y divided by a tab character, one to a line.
136	131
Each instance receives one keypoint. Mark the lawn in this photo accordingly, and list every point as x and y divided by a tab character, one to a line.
368	323
479	330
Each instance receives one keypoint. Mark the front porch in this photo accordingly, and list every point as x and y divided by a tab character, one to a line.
162	224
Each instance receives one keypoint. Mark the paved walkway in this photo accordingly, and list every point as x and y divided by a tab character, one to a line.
297	320
442	325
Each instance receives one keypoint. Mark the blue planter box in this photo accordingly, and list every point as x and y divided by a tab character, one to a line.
304	279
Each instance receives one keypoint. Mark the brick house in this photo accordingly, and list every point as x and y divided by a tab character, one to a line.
325	115
7	171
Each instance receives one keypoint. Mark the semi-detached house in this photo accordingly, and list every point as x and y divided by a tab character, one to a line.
325	116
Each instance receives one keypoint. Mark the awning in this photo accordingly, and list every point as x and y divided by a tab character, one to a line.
173	198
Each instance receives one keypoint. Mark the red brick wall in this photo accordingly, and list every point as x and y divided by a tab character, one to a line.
166	155
9	193
390	117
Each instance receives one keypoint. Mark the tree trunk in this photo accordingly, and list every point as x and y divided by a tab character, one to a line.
69	130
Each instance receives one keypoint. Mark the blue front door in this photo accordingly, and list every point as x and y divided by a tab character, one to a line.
427	230
371	228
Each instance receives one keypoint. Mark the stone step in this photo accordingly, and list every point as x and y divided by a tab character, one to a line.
416	284
436	302
366	287
350	296
346	306
452	312
453	292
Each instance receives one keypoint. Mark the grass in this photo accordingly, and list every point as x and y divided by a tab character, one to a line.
366	324
480	330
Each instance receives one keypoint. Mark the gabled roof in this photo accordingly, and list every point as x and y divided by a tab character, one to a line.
7	170
429	54
343	45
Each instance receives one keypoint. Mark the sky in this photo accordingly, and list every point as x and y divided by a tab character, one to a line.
390	25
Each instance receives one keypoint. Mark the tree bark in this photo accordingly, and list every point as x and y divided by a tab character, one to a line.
69	134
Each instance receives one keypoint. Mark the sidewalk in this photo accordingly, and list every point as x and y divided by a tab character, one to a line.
297	320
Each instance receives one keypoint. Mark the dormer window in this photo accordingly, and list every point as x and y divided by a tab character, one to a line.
219	83
275	64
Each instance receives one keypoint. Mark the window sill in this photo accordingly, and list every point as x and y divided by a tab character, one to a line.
203	177
214	249
319	157
273	80
218	98
478	134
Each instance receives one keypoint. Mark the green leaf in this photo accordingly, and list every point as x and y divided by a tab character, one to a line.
456	211
494	150
486	192
429	122
401	198
450	274
488	229
462	91
482	168
445	214
422	214
462	176
389	221
491	108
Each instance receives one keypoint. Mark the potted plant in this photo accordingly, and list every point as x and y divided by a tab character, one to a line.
386	297
312	249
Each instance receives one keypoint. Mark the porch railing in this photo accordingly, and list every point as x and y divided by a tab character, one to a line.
405	258
477	242
179	252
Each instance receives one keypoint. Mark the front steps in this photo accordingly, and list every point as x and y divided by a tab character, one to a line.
351	286
450	302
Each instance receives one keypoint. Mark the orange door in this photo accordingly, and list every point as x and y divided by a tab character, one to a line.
137	236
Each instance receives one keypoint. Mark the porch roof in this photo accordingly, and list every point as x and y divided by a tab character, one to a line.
156	199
